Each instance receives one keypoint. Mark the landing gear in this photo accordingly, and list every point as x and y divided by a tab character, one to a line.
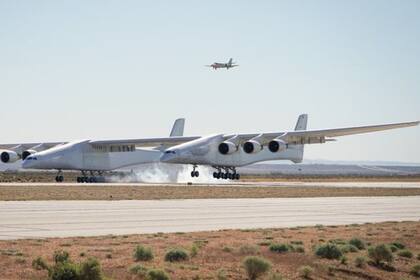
59	178
229	173
195	173
92	178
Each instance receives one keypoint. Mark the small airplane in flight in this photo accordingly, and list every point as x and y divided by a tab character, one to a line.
224	152
227	65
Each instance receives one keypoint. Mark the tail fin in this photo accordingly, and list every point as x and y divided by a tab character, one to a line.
178	128
301	124
230	61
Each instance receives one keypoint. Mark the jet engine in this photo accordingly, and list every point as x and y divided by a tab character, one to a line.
252	146
227	147
9	156
27	153
277	145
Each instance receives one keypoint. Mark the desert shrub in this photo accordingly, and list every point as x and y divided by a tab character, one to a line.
82	254
300	249
415	270
328	251
142	253
91	270
256	267
64	271
343	260
279	247
405	254
380	253
296	242
157	274
176	255
306	271
348	248
274	276
418	256
194	251
360	262
248	250
61	256
393	248
226	249
358	243
39	264
138	270
221	274
399	245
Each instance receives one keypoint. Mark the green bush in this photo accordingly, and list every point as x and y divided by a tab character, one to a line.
348	248
380	253
306	271
90	270
415	270
248	249
399	245
300	249
64	271
405	254
279	247
256	267
39	264
221	274
176	255
393	248
157	274
358	243
142	253
418	256
328	251
61	256
138	270
194	251
343	260
360	262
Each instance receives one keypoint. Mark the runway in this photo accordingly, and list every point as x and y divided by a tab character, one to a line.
38	219
324	184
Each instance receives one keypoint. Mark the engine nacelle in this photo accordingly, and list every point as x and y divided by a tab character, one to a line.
277	145
227	148
252	146
9	156
27	153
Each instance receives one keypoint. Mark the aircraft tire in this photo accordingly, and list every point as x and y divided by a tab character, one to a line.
192	174
197	174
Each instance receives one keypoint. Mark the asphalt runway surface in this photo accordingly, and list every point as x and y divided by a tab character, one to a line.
39	219
240	184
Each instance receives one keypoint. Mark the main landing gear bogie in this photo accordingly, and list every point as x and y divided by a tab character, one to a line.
92	178
59	178
227	173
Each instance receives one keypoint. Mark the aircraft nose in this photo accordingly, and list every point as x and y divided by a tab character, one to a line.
30	162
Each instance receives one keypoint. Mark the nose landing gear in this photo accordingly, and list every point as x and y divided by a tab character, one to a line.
195	173
59	178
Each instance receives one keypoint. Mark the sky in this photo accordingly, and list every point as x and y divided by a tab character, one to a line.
127	69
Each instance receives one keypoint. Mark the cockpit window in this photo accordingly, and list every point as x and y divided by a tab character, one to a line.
31	158
170	152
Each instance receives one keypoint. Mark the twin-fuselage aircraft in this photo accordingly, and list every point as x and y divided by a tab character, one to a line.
224	152
227	65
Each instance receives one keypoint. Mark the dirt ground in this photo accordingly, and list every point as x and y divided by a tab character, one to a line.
127	192
221	252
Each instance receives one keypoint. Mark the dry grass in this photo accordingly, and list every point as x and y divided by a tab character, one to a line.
127	192
211	257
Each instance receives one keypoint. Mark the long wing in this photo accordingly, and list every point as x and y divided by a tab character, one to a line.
24	146
148	142
320	135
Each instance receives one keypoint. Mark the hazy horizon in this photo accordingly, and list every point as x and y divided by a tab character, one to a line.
101	70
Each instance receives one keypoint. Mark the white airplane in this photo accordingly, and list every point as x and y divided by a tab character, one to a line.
228	65
224	152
